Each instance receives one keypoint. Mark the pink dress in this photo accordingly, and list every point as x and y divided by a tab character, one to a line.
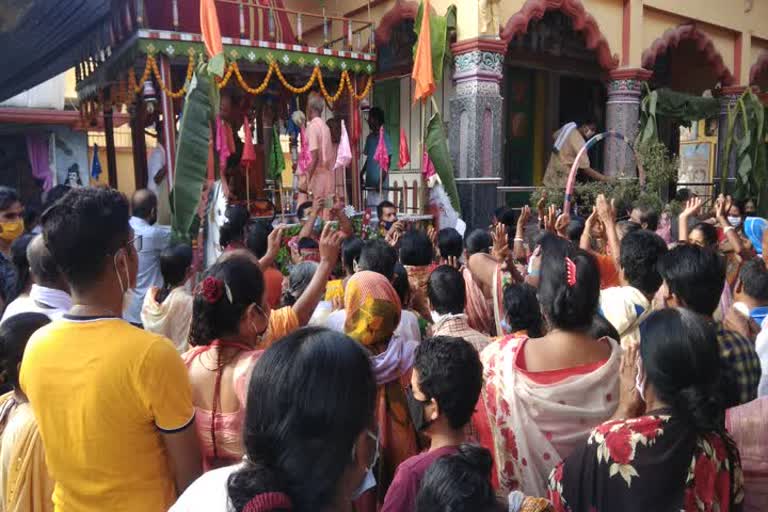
319	136
227	426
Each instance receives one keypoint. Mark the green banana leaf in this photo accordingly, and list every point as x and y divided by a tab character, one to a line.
192	153
437	149
275	158
440	28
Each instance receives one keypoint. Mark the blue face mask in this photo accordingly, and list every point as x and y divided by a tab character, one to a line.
506	327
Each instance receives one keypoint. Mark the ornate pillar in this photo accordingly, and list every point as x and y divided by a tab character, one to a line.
622	115
475	130
728	98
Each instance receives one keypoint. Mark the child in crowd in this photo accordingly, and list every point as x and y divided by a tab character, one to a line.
168	310
445	386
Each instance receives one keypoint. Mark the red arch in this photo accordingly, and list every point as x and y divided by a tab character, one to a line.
403	10
674	36
582	22
758	67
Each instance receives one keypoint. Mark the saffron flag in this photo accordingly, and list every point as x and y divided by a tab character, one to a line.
344	153
405	153
95	164
381	155
423	75
209	26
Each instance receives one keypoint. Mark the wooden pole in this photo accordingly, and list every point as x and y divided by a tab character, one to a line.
140	172
169	119
109	135
356	192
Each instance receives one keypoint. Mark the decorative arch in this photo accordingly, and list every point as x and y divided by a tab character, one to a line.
758	67
674	36
403	10
583	22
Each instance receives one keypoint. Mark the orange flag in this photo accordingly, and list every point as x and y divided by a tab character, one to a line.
209	24
422	62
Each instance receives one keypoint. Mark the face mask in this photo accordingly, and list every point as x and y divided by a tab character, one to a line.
640	379
416	408
12	229
506	327
734	221
387	225
255	329
369	480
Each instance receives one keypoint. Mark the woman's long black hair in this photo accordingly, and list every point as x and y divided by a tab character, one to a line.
310	396
681	359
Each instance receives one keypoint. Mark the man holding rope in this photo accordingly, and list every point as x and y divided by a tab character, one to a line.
568	142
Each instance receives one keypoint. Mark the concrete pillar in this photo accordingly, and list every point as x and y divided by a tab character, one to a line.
622	115
728	98
475	128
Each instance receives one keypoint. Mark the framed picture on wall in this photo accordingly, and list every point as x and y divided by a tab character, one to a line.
696	166
710	127
689	134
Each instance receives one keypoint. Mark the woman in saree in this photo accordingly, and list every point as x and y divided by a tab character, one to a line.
544	395
373	313
25	485
232	323
666	448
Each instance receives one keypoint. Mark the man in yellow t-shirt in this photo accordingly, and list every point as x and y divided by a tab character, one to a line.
113	402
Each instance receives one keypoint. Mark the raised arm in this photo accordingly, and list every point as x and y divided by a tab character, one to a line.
345	225
692	209
607	213
722	205
274	240
330	245
585	242
518	245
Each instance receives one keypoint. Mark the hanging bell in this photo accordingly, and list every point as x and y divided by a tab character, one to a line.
150	96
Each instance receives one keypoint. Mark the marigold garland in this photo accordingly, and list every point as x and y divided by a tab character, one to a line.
151	68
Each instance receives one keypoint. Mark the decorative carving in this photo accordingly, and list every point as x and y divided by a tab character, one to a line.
479	61
582	21
674	36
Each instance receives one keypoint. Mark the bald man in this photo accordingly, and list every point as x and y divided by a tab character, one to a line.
154	239
49	294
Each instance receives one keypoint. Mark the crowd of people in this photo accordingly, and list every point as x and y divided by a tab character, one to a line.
546	363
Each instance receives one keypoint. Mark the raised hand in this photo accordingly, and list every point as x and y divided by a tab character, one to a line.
692	207
525	216
630	403
330	244
500	241
605	210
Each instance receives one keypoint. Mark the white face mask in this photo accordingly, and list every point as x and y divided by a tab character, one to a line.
369	480
734	221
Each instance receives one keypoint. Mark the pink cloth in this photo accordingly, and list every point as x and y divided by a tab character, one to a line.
382	153
746	424
225	143
229	425
37	148
305	157
319	138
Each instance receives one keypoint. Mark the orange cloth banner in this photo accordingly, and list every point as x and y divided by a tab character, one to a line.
422	62
209	25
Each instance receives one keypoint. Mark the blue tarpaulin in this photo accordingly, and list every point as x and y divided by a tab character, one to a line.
41	38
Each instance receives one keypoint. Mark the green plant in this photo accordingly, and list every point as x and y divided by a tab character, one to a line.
660	170
746	132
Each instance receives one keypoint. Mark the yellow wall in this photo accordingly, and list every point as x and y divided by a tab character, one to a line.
125	178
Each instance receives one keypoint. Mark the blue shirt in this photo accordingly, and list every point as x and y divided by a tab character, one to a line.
759	314
154	240
372	168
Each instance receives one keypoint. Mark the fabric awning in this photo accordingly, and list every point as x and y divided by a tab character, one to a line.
42	38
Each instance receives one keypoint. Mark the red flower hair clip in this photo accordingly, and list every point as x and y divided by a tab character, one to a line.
212	289
570	272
